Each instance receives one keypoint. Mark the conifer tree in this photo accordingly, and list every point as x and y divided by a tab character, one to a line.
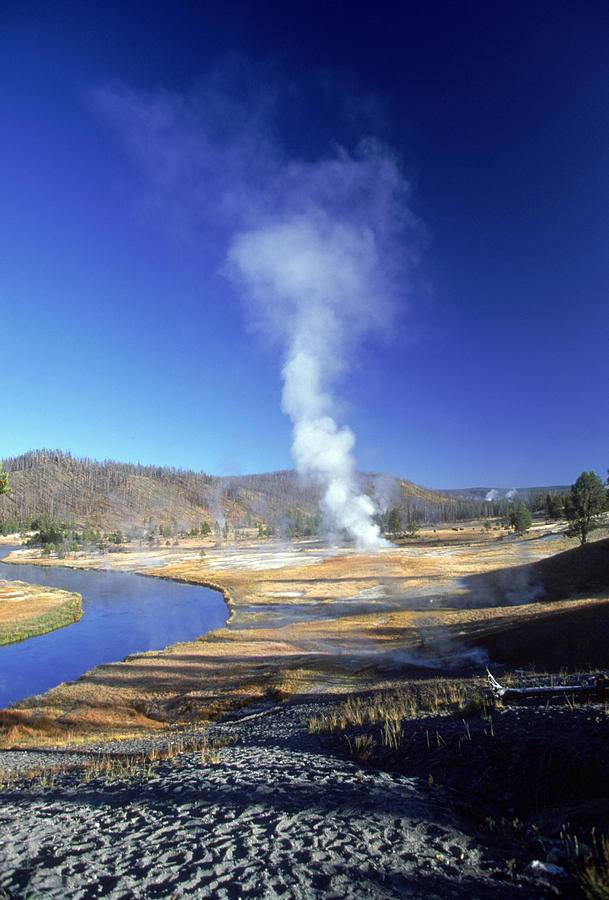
4	488
520	517
394	521
585	504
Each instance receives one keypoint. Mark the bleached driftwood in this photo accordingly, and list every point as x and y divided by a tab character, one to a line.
596	690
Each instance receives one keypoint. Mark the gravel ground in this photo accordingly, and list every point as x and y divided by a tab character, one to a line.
276	816
547	765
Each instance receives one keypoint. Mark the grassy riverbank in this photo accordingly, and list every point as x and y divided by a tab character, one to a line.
309	618
29	610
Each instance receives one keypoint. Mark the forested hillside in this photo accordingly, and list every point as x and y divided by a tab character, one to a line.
111	495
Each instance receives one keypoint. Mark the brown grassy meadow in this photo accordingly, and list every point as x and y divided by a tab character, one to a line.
28	610
307	618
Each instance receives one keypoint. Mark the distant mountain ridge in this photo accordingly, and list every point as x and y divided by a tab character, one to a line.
111	495
525	493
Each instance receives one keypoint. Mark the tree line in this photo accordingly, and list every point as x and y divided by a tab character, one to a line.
583	506
67	489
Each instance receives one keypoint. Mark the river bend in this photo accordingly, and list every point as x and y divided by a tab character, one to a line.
123	614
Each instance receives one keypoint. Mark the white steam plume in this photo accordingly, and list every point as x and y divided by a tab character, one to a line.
322	273
321	252
315	274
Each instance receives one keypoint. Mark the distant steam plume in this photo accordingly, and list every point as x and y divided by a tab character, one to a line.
320	251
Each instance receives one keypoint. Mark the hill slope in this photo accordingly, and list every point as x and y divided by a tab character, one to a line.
122	495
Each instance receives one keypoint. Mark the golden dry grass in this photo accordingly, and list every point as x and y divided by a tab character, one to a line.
27	610
316	620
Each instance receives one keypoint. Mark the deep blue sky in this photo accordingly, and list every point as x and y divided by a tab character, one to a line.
121	340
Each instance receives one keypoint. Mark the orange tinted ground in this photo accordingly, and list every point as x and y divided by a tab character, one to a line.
308	618
29	609
21	602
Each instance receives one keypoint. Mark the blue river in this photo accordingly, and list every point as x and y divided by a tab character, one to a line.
123	614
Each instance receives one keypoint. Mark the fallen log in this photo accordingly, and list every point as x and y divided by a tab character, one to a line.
594	691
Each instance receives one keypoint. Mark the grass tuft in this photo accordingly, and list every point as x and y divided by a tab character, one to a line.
120	766
389	708
593	872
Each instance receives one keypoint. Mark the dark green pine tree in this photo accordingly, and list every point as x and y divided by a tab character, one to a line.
520	517
4	488
394	521
585	504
